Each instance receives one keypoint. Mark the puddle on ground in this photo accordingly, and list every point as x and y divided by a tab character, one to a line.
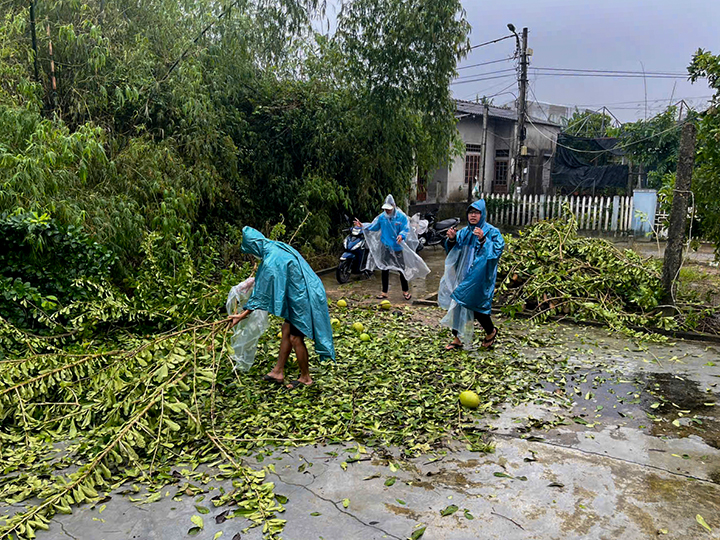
663	404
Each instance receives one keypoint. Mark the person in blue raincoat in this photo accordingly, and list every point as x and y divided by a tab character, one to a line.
468	285
392	244
287	287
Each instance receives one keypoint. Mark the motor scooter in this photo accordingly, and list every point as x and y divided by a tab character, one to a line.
430	231
354	258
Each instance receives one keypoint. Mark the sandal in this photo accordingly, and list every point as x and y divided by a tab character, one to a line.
488	342
294	384
407	295
268	378
382	296
454	347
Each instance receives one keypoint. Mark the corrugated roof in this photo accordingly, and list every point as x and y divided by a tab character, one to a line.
471	107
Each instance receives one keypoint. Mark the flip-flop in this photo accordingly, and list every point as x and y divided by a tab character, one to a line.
407	296
453	347
382	297
487	343
268	378
294	384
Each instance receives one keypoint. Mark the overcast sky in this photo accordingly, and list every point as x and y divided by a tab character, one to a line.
598	34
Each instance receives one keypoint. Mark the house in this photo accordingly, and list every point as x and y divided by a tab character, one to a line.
450	184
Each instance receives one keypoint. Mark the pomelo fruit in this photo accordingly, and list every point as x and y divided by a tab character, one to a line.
358	327
335	322
342	303
469	399
364	337
386	305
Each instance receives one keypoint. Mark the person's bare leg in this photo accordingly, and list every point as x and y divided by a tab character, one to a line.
278	372
301	353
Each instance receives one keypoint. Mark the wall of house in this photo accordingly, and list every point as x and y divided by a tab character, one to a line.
540	140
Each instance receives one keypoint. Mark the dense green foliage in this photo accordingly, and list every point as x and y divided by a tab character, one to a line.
706	177
190	120
548	270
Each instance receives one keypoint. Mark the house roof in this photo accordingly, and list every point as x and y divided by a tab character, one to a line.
477	109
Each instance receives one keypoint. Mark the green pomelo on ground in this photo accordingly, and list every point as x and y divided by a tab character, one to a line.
358	327
469	399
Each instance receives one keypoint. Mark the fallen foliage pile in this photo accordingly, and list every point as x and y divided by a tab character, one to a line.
80	420
549	270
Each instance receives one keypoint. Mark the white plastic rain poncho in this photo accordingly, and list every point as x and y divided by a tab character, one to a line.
248	331
385	252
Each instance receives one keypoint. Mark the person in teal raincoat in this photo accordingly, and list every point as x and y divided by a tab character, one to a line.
287	287
468	286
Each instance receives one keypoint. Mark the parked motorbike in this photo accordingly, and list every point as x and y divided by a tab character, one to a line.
353	259
430	231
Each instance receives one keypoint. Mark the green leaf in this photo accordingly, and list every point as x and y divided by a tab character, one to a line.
197	520
390	481
400	501
315	514
449	510
217	535
202	509
468	515
502	475
702	522
194	531
417	533
346	503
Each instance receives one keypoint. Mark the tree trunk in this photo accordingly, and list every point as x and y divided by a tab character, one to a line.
678	212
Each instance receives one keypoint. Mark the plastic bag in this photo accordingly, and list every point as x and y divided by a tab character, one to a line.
420	226
458	317
248	331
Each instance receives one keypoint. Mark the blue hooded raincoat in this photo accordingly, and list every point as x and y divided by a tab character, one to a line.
287	287
477	270
392	226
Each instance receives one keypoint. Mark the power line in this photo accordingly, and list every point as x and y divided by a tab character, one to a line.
486	73
683	74
618	147
483	79
640	101
486	63
607	75
491	42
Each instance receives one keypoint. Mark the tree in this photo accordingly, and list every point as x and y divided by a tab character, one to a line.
706	178
589	124
654	143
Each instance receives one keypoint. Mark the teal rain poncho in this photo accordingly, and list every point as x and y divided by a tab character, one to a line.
385	252
287	287
470	272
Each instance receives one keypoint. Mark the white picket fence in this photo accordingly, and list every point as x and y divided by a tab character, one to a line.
601	214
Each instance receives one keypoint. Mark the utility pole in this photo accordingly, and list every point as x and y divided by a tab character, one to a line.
522	104
678	212
486	119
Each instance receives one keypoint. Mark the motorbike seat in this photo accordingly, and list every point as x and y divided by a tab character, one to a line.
446	223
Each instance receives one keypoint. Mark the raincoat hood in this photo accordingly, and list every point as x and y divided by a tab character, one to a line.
253	242
287	287
390	201
480	206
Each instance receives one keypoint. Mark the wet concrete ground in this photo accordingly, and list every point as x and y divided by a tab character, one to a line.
637	456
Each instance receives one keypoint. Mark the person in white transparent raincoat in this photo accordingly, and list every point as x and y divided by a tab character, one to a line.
468	285
392	244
